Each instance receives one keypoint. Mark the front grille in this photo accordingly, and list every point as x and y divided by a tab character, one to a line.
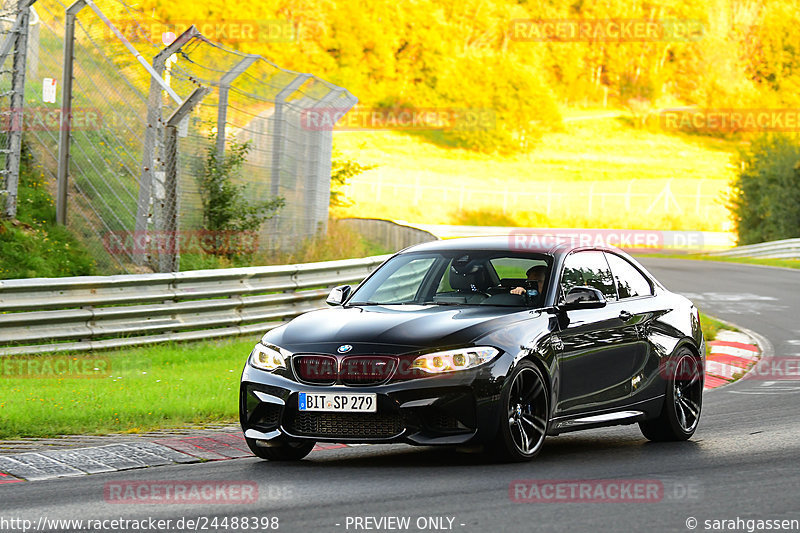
317	369
346	425
353	370
366	369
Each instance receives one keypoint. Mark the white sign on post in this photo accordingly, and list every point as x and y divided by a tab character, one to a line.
49	90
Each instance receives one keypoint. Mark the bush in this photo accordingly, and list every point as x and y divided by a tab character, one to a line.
342	169
765	199
226	208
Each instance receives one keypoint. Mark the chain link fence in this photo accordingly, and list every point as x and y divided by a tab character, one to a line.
14	27
131	200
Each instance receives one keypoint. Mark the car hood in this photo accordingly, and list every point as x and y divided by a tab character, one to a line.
396	329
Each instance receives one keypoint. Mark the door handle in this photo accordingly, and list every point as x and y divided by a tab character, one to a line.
625	316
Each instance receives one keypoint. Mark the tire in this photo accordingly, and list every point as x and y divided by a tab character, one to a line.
682	402
525	414
290	450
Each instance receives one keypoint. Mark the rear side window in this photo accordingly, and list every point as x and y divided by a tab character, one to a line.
588	269
630	282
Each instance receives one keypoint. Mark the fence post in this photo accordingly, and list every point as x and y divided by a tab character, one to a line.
277	130
170	261
222	106
33	42
318	184
277	141
151	133
66	110
17	104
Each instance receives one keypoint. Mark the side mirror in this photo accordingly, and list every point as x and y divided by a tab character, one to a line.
583	298
338	295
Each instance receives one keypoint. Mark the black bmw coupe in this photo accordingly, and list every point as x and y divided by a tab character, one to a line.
491	341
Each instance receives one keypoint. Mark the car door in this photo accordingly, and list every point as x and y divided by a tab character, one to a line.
636	300
597	345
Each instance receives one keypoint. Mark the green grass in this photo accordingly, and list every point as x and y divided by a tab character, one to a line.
711	327
33	245
419	181
150	387
785	263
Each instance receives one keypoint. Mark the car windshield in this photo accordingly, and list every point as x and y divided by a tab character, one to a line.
458	278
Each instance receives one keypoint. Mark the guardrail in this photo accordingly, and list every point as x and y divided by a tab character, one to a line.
387	233
783	249
47	315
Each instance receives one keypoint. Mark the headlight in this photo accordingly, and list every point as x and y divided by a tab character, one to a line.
268	357
453	360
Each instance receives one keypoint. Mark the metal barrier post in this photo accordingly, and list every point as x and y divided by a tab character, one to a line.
222	107
66	110
151	132
170	261
17	104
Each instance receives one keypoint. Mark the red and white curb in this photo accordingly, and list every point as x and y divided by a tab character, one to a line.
733	353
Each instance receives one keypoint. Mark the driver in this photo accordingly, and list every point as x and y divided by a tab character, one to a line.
537	274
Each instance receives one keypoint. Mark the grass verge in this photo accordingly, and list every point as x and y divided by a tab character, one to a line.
150	387
711	327
765	261
33	245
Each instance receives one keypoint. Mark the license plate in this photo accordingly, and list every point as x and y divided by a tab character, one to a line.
339	403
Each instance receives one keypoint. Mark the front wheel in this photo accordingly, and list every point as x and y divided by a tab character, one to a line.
289	450
682	404
525	408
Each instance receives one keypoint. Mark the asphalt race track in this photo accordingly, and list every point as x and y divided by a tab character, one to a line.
743	462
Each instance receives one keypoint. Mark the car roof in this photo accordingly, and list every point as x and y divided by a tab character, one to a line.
519	242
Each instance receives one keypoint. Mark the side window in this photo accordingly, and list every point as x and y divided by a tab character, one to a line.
589	269
630	282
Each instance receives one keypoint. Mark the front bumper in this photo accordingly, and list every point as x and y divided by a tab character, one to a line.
453	408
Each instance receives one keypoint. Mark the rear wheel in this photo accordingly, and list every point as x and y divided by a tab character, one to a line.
682	404
288	450
525	412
